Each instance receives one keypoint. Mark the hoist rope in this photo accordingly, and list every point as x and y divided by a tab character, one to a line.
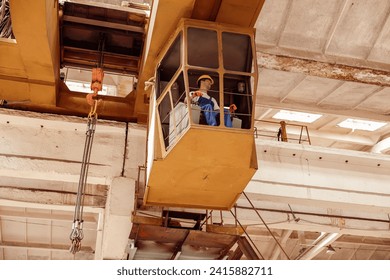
77	234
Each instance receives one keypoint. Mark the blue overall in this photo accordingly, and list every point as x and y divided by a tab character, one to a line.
210	114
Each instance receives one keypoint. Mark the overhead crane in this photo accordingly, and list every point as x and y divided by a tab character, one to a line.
189	164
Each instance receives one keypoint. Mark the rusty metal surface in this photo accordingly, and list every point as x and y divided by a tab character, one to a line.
206	9
208	239
81	28
240	13
114	63
161	234
323	69
247	249
171	243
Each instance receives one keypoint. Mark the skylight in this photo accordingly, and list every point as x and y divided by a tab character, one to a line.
361	124
296	116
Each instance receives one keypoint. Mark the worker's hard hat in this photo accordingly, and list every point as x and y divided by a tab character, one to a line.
205	77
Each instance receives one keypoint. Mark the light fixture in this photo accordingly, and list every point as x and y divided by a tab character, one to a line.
79	86
361	124
330	250
296	116
85	87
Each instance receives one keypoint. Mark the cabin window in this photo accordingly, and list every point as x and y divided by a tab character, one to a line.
237	91
199	112
237	52
173	111
170	64
202	47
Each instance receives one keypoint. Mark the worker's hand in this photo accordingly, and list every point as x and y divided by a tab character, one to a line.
232	108
197	93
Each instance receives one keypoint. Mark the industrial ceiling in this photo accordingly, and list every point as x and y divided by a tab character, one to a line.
323	57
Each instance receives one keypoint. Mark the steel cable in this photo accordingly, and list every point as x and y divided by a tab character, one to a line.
77	233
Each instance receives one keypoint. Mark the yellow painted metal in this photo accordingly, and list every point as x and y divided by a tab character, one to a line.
164	19
29	65
11	63
208	169
240	13
237	12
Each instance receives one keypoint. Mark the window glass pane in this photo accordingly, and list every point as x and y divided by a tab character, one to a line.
238	100
202	47
237	52
170	63
174	118
204	97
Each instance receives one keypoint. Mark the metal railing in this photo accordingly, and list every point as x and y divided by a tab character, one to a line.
282	131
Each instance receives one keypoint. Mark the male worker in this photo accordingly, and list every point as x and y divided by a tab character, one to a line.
208	104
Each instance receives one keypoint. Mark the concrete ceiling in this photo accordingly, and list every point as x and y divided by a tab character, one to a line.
324	57
327	58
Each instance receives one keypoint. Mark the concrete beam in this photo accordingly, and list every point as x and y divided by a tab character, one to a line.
41	246
308	223
48	197
135	154
323	69
334	191
34	205
309	237
326	177
99	237
294	132
48	216
272	102
117	224
381	146
56	170
55	147
282	240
